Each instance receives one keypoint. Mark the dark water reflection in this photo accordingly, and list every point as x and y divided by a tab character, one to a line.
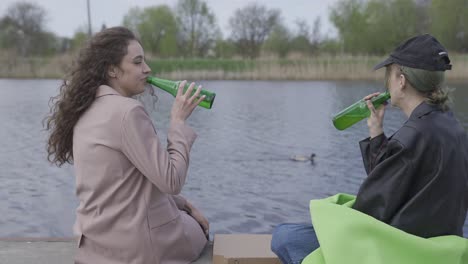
240	174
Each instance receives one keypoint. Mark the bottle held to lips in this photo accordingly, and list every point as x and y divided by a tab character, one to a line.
357	111
172	87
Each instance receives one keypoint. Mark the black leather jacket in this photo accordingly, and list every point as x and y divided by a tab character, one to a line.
418	178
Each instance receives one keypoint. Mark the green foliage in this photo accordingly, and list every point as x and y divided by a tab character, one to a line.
47	44
8	33
156	27
349	18
191	30
450	23
79	39
225	48
330	46
158	30
387	18
22	29
377	26
171	65
374	26
279	41
250	26
301	44
301	41
132	19
198	29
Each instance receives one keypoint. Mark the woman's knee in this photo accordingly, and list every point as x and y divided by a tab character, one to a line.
279	238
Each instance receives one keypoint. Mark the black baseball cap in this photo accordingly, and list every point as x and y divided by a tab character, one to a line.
420	52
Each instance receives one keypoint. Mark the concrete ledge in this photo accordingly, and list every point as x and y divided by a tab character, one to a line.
17	252
55	251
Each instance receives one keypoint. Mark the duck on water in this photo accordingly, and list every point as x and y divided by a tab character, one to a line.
303	158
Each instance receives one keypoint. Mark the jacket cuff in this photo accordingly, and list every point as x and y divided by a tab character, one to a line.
376	143
370	149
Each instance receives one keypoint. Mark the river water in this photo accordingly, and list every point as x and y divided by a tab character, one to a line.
240	175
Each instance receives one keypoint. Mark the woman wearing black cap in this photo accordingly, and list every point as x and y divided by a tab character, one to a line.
418	177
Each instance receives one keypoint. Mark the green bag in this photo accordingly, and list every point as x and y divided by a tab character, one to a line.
347	236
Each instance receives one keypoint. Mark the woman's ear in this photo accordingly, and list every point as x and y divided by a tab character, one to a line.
402	81
112	72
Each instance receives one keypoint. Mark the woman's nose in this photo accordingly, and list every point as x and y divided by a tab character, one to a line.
146	69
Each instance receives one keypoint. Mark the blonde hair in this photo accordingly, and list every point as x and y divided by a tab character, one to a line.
430	84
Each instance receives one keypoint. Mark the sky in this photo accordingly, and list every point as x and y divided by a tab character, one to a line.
65	17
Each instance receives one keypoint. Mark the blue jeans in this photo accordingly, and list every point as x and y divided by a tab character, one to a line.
293	242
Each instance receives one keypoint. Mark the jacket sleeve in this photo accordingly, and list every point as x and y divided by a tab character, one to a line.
390	172
373	151
167	167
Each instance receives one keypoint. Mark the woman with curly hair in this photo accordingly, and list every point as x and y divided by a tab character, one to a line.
127	182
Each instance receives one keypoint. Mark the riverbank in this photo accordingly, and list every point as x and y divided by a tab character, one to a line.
339	67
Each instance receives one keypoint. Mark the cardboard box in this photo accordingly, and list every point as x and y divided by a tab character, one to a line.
243	249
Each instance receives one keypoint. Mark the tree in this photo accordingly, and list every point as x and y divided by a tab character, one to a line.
301	40
224	48
330	46
156	27
385	20
422	15
198	30
79	38
22	28
250	26
374	26
349	18
132	19
316	36
450	23
9	33
279	40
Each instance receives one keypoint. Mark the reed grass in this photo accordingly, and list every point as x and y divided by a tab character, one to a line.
324	67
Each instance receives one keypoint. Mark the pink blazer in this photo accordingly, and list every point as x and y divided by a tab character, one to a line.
128	183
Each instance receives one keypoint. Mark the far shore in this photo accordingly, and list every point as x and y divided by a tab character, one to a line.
326	67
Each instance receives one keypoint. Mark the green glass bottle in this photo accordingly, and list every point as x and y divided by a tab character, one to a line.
172	86
357	111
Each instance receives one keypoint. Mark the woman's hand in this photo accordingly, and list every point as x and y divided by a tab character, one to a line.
200	218
185	103
375	121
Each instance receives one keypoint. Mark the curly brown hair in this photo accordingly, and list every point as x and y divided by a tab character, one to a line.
78	90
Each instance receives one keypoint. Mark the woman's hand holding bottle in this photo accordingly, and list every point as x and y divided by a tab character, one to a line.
375	120
184	103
